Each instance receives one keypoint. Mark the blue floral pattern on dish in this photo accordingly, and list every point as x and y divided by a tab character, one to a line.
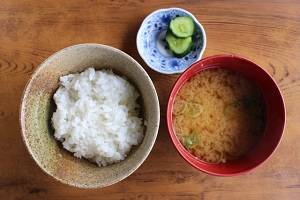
152	45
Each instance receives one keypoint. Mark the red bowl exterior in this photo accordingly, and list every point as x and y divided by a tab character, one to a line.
276	115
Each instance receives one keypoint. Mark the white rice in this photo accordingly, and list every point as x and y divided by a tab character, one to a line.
97	116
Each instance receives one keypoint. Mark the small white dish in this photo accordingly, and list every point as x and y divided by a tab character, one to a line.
152	46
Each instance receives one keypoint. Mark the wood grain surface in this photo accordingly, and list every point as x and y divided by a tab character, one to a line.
265	31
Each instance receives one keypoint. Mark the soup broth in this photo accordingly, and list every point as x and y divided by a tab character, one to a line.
219	115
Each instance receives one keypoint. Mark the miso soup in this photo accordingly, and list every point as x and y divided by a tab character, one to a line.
219	115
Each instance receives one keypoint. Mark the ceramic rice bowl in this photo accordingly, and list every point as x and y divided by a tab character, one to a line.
37	107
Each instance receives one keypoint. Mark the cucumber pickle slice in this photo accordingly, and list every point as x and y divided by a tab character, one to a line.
178	46
182	27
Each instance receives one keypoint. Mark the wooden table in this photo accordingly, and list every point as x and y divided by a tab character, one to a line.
265	31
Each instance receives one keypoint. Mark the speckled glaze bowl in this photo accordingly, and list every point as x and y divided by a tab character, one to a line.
37	107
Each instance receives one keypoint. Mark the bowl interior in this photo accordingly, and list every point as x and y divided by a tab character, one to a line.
275	123
152	46
37	107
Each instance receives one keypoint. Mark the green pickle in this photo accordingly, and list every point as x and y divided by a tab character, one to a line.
180	47
179	36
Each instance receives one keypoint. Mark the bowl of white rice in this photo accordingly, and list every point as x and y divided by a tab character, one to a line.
89	115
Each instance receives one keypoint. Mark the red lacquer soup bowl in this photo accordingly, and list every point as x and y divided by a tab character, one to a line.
275	115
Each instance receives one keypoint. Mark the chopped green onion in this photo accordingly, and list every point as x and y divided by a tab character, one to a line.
188	109
193	110
191	140
185	105
246	102
229	110
221	158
